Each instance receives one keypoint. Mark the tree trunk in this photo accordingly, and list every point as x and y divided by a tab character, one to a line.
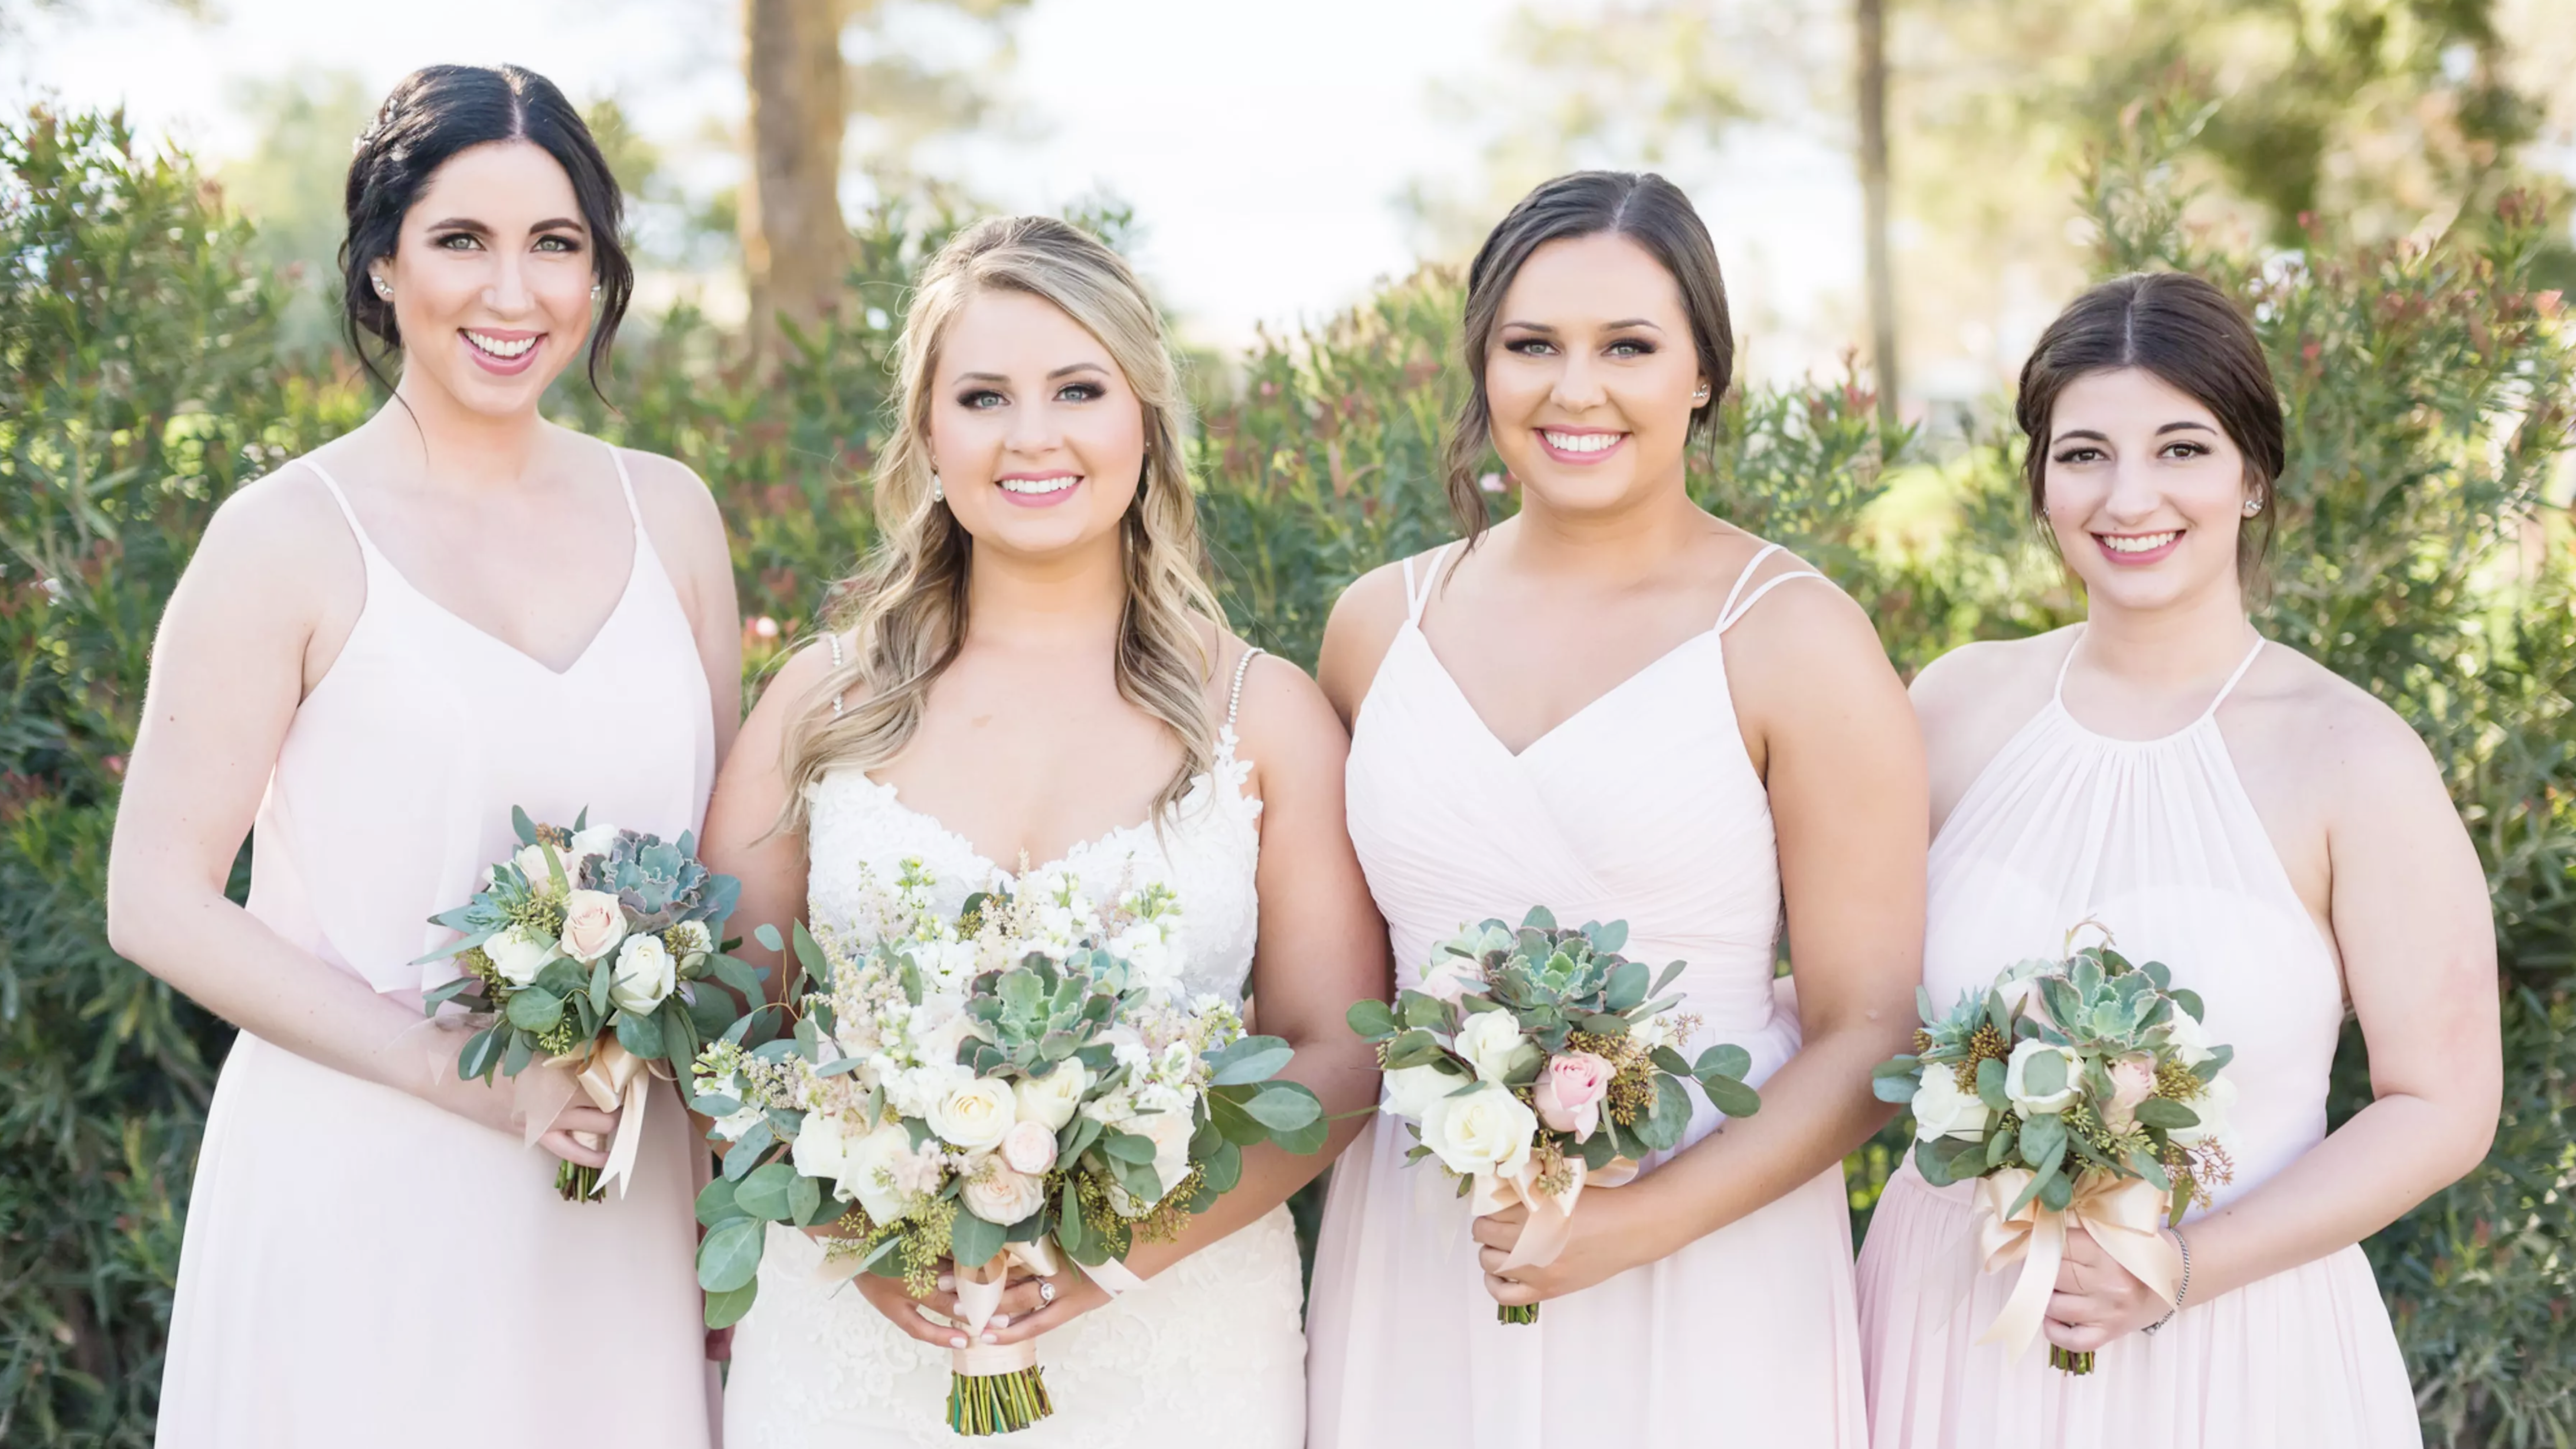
795	247
1870	19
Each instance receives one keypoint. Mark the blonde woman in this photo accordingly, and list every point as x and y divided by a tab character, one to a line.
1033	679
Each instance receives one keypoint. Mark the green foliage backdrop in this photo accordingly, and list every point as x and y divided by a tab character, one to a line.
2430	396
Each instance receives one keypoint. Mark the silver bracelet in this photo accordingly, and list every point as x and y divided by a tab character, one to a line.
2179	1293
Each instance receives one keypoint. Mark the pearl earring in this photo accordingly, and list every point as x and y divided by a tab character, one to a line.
938	493
384	288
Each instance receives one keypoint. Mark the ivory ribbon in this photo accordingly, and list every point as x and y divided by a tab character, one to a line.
2121	1214
614	1079
1551	1215
979	1297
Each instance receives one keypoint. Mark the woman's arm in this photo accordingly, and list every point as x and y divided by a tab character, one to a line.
741	838
1322	946
1843	763
2411	918
228	674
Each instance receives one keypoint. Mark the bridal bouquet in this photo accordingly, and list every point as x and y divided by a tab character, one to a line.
2076	1093
1533	1061
1025	1078
583	952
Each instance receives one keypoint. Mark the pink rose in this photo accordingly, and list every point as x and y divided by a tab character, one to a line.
2133	1080
1449	977
1569	1093
1028	1147
593	925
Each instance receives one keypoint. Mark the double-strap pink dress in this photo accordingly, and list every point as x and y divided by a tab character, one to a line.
1644	807
362	1268
2158	841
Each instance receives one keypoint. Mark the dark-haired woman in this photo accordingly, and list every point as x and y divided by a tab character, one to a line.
456	608
2275	835
1620	707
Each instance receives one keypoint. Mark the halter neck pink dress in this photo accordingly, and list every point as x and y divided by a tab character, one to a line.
362	1268
1642	807
2158	841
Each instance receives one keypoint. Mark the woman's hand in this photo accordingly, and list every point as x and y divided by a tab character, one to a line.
581	1117
2097	1300
1027	1308
1613	1230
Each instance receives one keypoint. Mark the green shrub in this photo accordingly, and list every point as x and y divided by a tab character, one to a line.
2430	397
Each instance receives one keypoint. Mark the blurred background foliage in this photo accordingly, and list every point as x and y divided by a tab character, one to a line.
2351	169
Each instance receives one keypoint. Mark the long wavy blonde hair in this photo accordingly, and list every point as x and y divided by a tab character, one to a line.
907	604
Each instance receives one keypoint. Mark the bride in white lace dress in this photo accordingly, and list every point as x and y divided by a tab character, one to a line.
1033	656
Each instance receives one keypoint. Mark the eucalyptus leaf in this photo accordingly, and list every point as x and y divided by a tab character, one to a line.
1371	1018
729	1258
762	1193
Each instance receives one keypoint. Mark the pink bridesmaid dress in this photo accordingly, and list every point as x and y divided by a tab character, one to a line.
2157	840
361	1268
1643	807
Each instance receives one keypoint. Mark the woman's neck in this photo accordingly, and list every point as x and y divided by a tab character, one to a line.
2178	647
457	447
1070	600
1627	541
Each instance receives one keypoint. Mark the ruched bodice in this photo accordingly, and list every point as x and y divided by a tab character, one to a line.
1644	807
391	794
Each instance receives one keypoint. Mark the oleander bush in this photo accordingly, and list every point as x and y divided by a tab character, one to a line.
2420	553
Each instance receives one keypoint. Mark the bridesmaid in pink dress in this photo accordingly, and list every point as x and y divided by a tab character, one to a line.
1620	707
375	653
2268	830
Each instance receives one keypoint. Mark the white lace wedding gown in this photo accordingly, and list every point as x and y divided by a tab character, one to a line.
1209	1349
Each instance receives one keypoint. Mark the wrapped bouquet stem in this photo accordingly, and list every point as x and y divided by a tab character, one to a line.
2119	1213
996	1388
1550	1225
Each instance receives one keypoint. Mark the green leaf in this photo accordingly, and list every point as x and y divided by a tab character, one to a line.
809	954
562	977
525	828
1123	1147
1304	1140
1223	1167
768	937
1731	1096
1226	1110
523	1049
2042	1137
1249	1059
535	1010
763	1192
1669	1118
747	1149
730	1256
973	1241
482	1052
640	1034
601	978
1412	1049
1283	1106
1670	1060
716	1204
2044	1074
1990	1086
1665	979
2157	1112
806	1204
1724	1060
1629	984
727	1309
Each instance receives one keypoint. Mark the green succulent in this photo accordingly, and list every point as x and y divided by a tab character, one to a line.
663	881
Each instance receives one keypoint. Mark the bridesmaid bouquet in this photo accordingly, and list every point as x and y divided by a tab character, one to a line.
1024	1079
583	952
1533	1061
2077	1093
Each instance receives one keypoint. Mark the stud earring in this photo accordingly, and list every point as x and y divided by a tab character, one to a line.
938	493
384	289
1700	396
594	291
2254	505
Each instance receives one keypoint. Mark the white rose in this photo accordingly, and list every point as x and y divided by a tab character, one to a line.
593	925
2017	1079
873	1172
596	840
531	861
690	942
1942	1110
2216	1104
518	956
1170	1132
1487	1130
973	1114
645	973
2190	1039
1051	1099
820	1149
937	1033
996	1194
1411	1090
1492	1040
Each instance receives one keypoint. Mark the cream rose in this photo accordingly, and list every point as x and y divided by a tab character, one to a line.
593	925
1411	1090
1486	1130
1449	977
531	861
973	1114
1050	1100
997	1194
645	974
2032	1101
877	1172
1942	1110
2215	1104
517	956
1170	1132
2190	1038
593	840
1492	1041
1028	1147
821	1149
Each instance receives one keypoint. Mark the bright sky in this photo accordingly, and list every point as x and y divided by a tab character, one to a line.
1262	145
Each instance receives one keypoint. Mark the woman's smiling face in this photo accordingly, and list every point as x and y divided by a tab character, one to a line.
2145	491
1038	439
491	278
1592	375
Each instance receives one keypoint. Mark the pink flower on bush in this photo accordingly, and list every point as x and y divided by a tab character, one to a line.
1569	1093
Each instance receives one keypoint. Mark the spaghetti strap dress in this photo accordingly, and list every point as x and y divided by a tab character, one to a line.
1644	806
362	1268
2158	841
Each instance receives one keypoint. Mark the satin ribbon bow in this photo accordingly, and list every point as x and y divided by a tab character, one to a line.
1551	1214
2121	1213
979	1297
614	1079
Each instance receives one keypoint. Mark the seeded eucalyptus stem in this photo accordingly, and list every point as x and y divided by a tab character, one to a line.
1507	1313
980	1404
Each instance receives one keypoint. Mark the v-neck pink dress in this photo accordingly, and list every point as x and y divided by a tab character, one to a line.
1644	807
361	1268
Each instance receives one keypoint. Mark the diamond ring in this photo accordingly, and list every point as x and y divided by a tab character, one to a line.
1046	1293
